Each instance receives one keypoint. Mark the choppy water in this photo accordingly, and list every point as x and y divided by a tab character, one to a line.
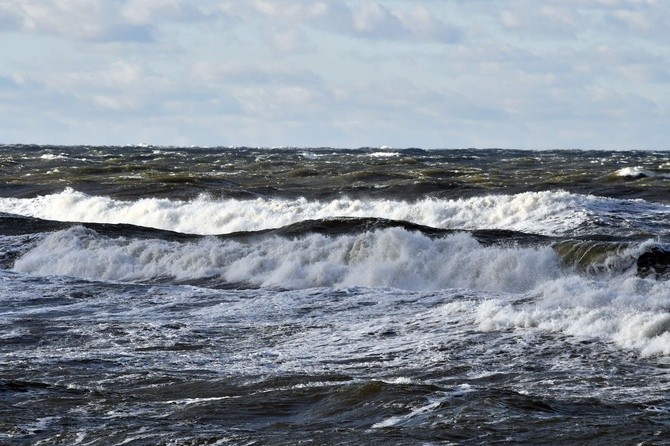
153	295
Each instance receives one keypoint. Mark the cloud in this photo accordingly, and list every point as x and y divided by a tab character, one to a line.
104	20
373	20
376	21
369	20
572	20
262	90
119	75
142	12
10	19
641	19
11	83
119	87
291	9
541	19
74	19
290	41
233	73
346	73
283	101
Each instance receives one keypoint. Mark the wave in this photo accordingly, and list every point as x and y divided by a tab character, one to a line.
388	256
548	213
640	172
502	286
632	313
392	257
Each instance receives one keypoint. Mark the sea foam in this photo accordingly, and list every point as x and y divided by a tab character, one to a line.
639	172
547	213
390	257
627	311
507	288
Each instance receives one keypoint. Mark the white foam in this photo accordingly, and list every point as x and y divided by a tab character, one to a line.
392	257
383	154
414	413
639	172
311	155
51	156
538	212
628	311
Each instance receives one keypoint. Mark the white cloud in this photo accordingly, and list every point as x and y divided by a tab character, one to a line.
142	12
120	75
375	20
291	10
280	101
121	86
104	20
9	17
74	19
542	19
598	19
368	20
641	20
117	103
290	41
509	19
233	73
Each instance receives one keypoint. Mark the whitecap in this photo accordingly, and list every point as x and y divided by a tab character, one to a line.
549	213
390	257
639	172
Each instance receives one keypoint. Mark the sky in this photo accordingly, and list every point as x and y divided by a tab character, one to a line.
526	74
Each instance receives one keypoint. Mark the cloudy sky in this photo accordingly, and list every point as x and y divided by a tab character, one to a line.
421	73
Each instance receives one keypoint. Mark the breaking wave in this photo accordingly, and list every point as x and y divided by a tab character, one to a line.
640	172
509	287
549	213
392	257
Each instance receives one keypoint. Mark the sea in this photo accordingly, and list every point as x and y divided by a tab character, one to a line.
286	296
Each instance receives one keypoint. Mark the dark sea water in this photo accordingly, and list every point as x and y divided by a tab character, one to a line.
192	296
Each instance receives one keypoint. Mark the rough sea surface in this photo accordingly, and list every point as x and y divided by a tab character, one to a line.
201	296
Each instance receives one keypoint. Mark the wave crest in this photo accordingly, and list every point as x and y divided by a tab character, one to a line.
392	257
548	213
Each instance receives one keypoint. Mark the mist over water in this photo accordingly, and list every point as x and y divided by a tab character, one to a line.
155	295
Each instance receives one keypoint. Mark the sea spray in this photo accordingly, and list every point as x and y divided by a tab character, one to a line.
535	212
392	257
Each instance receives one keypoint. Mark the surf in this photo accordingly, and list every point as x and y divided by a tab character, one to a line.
547	213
